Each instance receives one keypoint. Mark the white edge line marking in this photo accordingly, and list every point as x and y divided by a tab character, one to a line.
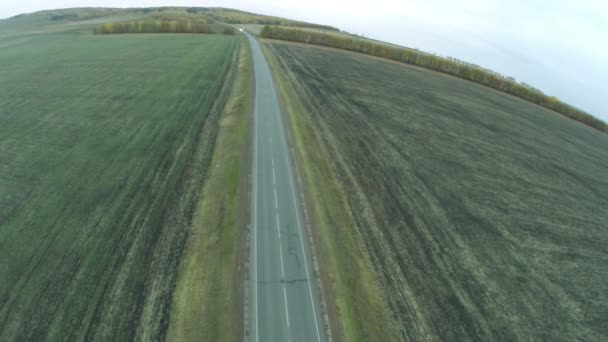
255	241
283	274
255	218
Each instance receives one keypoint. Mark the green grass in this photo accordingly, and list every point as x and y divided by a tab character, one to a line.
484	216
98	142
208	302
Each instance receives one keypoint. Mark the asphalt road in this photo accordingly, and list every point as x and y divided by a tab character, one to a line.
284	303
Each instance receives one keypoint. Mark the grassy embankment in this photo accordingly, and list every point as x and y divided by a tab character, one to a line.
354	303
448	66
483	215
104	145
208	302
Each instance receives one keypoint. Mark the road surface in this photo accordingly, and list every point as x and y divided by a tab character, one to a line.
284	303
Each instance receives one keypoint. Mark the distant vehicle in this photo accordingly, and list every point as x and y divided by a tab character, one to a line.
241	29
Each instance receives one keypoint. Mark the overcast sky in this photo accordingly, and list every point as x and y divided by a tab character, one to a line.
560	46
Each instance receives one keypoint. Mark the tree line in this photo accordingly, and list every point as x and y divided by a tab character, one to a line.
273	21
429	61
159	26
232	16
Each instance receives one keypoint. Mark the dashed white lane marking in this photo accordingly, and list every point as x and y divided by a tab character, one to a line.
274	177
276	201
283	271
286	308
282	267
278	226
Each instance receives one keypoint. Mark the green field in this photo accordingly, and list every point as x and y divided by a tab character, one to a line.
483	216
104	146
208	300
449	66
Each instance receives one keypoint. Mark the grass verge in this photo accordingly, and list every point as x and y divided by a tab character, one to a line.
207	304
355	306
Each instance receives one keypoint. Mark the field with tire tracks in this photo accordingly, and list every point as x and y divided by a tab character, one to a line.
482	216
105	142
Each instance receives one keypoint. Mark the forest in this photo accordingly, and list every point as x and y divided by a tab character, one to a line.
160	26
433	62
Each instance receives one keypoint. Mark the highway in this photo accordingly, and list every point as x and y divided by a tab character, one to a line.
284	304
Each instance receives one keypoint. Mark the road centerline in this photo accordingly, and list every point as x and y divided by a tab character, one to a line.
279	229
286	308
269	132
282	264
